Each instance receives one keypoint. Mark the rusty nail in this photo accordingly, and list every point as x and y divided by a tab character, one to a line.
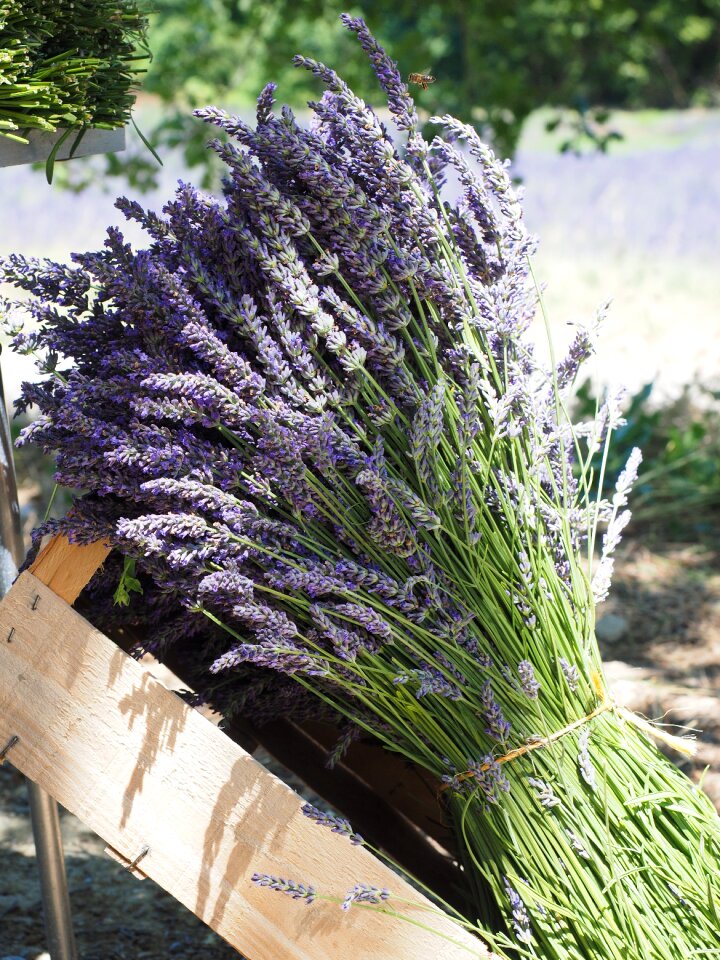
8	746
36	600
10	635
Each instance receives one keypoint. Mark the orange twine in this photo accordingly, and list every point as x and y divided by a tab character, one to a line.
684	745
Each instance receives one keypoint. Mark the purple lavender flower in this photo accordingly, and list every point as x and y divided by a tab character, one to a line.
429	680
299	411
497	726
298	891
364	893
529	684
579	351
426	434
331	820
399	100
490	777
572	675
521	920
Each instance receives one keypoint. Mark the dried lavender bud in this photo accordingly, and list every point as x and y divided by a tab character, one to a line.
399	100
577	845
584	762
627	478
521	920
579	351
602	579
364	893
489	775
571	674
343	744
426	433
429	680
336	824
529	684
298	891
497	727
546	795
614	531
676	893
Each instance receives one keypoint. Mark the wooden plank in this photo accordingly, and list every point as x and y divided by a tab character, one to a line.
139	767
408	789
68	567
373	788
378	819
40	144
373	809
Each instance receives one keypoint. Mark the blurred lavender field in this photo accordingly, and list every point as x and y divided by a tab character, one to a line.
638	226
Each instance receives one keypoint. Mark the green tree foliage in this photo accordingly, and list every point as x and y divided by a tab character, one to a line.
495	61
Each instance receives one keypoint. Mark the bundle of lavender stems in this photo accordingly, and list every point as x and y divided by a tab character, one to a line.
338	481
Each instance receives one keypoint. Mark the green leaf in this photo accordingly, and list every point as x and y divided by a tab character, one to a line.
50	162
127	584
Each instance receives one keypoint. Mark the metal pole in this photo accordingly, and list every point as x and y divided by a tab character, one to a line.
43	809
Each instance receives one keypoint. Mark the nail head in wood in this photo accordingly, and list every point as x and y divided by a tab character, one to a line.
143	853
8	747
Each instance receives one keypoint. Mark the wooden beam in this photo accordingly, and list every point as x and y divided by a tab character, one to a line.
141	768
378	819
68	567
403	786
373	788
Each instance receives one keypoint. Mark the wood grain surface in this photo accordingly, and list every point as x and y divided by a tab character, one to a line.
68	567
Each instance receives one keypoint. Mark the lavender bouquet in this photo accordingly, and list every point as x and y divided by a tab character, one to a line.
309	419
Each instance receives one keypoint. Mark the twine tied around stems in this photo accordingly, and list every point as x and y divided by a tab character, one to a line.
684	745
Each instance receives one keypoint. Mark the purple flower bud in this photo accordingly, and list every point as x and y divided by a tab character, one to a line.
364	893
298	891
497	727
529	684
331	820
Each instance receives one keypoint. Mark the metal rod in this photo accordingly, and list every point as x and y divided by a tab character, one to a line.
43	809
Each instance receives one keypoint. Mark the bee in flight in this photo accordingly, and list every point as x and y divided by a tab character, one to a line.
421	79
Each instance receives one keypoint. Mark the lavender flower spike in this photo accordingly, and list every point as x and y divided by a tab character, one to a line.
530	686
364	893
584	762
400	102
521	920
336	824
490	777
627	478
298	891
546	794
572	675
497	726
